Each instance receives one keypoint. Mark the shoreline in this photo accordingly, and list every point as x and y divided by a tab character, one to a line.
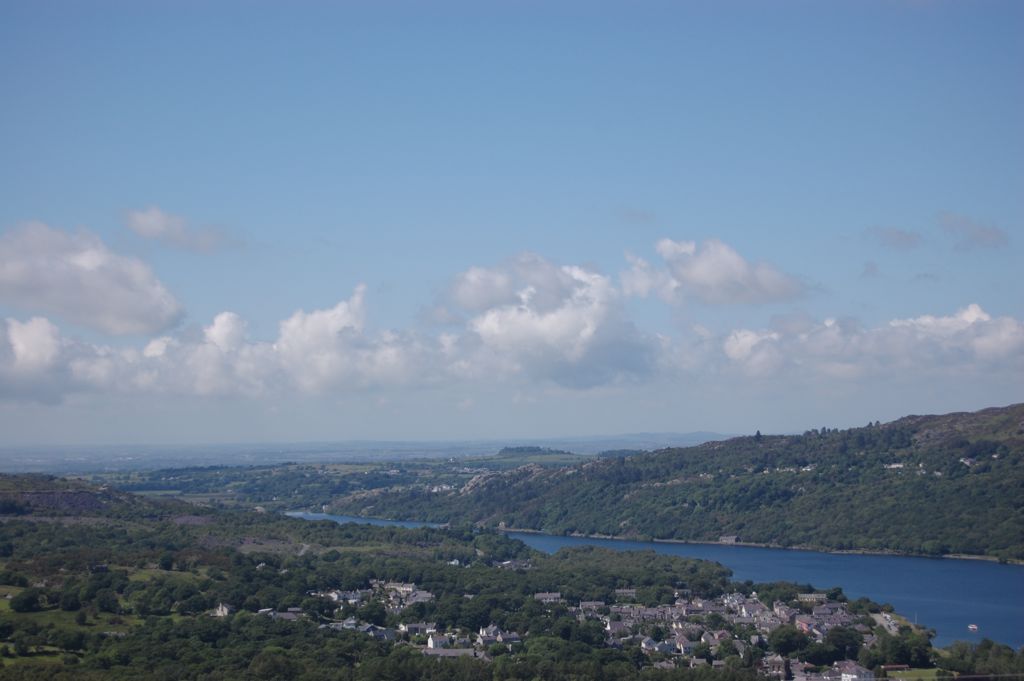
756	545
761	545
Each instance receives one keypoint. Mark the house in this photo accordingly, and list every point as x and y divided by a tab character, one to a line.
222	610
548	597
508	637
436	640
689	630
515	564
617	628
419	596
827	609
418	628
665	647
728	539
804	623
401	588
776	667
622	595
685	645
454	652
784	612
379	633
351	597
849	670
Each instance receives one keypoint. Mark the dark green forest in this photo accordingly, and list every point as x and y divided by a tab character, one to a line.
950	484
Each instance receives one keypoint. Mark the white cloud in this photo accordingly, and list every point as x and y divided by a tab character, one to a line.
712	273
478	289
78	278
642	279
563	324
566	327
31	360
173	231
227	332
671	250
756	351
527	321
968	340
35	344
316	347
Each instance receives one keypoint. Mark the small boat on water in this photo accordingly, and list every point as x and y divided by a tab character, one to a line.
972	627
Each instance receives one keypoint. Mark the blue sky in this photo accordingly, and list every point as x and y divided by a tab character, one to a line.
305	221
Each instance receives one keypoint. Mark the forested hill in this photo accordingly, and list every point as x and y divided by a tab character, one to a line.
950	484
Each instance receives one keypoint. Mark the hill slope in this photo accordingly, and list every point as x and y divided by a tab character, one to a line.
922	484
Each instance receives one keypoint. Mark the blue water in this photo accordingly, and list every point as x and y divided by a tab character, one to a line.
943	594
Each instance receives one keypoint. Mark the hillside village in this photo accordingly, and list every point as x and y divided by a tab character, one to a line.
692	632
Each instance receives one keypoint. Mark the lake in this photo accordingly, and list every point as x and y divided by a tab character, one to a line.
943	594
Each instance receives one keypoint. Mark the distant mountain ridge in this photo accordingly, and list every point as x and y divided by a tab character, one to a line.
933	485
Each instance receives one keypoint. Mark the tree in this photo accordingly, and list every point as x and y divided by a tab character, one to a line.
27	601
846	641
106	601
726	649
374	613
787	639
272	663
69	601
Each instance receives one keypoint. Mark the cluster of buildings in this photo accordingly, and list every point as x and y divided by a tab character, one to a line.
688	629
396	596
711	624
435	641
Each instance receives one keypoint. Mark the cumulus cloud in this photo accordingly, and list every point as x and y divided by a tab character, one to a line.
174	231
478	289
563	326
757	351
970	234
578	341
314	352
643	279
328	348
527	321
34	344
75	276
969	339
561	323
31	360
712	272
